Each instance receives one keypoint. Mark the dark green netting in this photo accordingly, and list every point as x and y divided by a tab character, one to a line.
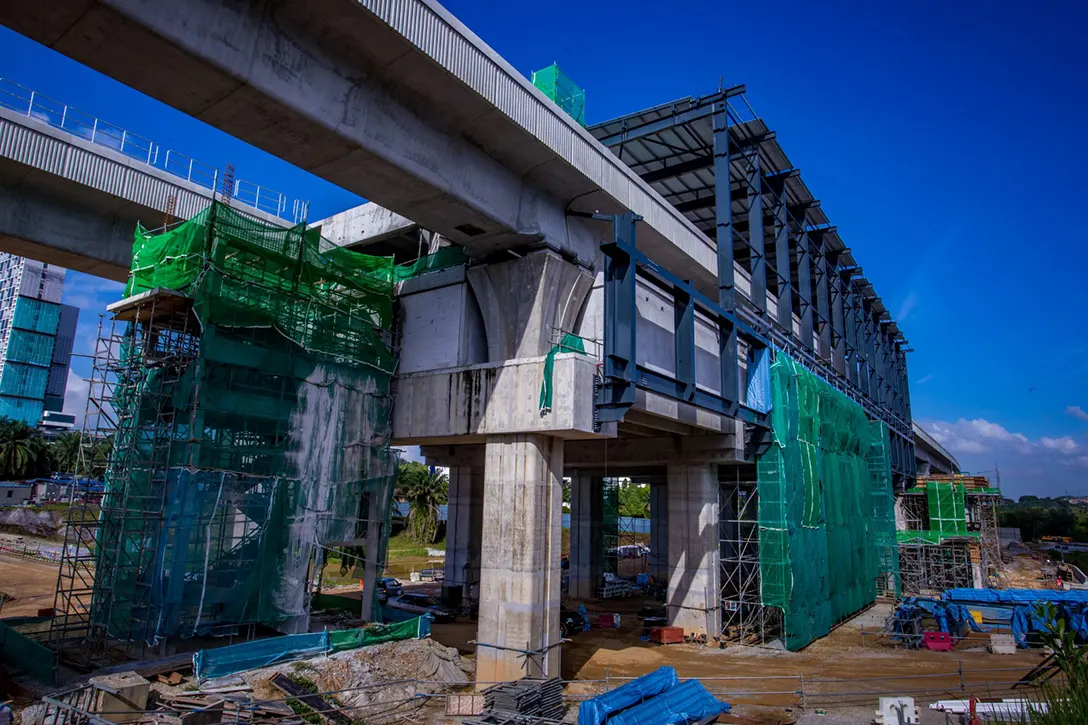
253	436
561	89
823	518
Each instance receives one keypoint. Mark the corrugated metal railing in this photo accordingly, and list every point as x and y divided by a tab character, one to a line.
50	111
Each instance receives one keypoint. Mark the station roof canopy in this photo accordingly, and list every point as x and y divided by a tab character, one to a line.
671	147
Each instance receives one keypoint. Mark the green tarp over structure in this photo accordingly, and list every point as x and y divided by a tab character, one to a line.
827	530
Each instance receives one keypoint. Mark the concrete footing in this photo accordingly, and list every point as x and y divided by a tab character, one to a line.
694	575
518	633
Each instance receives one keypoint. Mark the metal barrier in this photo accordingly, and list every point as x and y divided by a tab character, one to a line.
50	111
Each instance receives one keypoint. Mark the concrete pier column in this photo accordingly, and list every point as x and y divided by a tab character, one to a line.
518	633
659	531
693	599
464	527
586	551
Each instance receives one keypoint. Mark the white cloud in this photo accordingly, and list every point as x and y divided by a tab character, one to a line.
75	397
1077	412
907	307
925	379
1046	466
1065	444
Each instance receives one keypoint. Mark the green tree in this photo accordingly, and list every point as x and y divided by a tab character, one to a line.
634	500
424	492
23	451
66	448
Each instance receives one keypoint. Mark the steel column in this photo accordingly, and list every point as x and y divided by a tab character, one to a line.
782	262
723	209
823	313
838	337
758	263
804	288
684	337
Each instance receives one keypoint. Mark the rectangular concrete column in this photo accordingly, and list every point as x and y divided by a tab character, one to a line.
464	525
518	633
659	531
693	599
586	552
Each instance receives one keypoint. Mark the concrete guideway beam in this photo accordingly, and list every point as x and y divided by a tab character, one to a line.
309	81
69	202
694	576
519	632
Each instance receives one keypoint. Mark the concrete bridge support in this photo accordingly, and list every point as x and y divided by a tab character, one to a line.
519	633
659	531
694	575
464	520
586	555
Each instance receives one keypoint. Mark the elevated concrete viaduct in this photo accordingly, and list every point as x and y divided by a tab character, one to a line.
400	103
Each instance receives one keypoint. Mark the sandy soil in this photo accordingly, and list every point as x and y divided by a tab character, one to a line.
32	583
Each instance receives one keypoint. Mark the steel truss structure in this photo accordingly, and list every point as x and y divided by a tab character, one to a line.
744	617
800	288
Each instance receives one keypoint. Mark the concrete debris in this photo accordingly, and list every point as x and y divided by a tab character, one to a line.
34	523
383	683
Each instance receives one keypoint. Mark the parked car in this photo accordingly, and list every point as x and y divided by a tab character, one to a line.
392	587
423	604
432	575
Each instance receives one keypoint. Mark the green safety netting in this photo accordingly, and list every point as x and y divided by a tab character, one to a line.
19	653
825	505
253	435
561	89
569	343
947	508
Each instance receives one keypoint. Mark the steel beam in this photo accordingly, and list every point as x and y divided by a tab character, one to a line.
704	108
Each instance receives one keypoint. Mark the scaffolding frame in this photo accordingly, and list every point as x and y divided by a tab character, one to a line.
745	619
928	569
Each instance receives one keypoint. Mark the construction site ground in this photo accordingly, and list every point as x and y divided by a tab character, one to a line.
842	674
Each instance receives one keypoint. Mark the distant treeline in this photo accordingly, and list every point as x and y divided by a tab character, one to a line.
1037	517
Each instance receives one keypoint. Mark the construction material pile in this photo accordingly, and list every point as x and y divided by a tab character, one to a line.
658	698
530	697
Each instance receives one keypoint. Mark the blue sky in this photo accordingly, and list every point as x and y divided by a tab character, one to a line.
944	139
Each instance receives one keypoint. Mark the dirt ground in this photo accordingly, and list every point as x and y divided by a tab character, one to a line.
32	583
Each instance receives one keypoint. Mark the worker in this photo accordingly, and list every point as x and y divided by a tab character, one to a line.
1061	585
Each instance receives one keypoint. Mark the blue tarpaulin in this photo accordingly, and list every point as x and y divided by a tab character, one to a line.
597	710
685	703
1015	596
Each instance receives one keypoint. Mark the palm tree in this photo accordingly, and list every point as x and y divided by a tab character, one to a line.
424	494
17	451
66	452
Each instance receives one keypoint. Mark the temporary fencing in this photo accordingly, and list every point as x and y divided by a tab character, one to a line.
825	505
244	383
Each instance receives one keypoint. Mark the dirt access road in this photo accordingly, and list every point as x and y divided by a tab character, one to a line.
32	583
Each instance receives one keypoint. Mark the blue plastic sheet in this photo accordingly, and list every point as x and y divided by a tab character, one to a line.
1015	596
258	653
687	702
597	710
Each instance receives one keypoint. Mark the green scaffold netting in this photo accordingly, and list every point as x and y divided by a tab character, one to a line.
253	428
827	528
